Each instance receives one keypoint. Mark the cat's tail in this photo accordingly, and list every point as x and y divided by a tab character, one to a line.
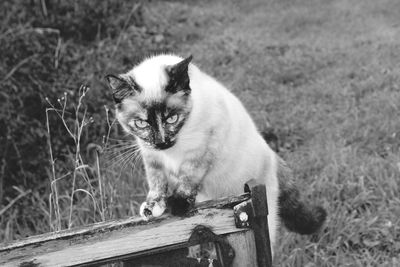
295	214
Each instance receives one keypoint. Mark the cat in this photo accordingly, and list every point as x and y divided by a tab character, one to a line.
198	142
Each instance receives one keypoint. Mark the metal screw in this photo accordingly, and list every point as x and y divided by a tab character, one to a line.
243	217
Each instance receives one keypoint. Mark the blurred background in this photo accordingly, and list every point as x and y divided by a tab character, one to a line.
321	74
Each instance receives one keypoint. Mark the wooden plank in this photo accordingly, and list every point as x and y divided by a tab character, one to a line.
116	224
225	202
71	233
259	222
132	240
243	243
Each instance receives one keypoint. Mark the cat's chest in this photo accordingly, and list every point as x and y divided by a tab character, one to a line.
172	164
181	165
172	170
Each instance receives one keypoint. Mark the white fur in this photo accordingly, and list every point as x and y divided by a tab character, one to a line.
240	152
151	75
157	210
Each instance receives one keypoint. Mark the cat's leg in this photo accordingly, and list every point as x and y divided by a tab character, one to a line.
183	196
155	203
187	185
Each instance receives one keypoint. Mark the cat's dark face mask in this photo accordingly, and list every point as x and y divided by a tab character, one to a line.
156	122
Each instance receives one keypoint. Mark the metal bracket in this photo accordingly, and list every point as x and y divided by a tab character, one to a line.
253	214
204	245
203	249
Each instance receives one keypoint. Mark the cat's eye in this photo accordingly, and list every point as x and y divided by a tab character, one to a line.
141	124
172	119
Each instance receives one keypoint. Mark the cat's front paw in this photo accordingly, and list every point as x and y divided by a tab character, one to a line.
151	209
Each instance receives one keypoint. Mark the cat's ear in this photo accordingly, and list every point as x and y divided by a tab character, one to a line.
120	88
179	76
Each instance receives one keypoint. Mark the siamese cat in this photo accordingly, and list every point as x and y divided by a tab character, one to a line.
198	142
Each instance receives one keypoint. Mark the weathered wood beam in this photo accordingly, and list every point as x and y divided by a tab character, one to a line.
226	202
118	239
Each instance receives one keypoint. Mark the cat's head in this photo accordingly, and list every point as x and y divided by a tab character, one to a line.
153	100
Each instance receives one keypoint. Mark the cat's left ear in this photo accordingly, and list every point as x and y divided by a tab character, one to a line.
120	88
179	76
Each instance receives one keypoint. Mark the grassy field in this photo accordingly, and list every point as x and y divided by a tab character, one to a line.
323	74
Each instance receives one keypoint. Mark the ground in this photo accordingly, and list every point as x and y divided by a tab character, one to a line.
324	75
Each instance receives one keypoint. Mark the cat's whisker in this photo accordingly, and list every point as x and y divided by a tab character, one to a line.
122	156
116	152
128	144
120	140
130	152
137	158
131	162
115	156
119	158
121	144
128	160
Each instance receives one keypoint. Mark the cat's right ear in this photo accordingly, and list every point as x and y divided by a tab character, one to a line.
120	88
179	76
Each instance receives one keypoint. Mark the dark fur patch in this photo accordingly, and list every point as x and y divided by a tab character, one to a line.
153	111
178	77
296	215
271	138
179	205
158	112
121	88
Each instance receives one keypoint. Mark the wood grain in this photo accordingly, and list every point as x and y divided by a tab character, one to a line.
133	240
96	228
245	249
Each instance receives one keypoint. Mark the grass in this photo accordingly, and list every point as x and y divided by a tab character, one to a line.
323	74
89	188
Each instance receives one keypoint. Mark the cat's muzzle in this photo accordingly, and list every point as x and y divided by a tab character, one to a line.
164	145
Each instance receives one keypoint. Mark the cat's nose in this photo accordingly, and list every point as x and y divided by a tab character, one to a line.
163	145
